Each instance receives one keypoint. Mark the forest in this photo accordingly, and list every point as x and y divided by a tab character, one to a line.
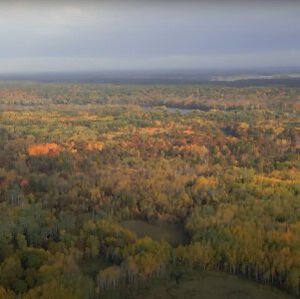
109	189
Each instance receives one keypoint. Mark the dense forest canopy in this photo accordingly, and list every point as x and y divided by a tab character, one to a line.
80	161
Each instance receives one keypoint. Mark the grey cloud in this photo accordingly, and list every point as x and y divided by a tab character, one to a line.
138	34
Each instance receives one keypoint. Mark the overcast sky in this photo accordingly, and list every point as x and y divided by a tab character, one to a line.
87	35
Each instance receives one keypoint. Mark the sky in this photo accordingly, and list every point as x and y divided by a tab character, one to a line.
41	36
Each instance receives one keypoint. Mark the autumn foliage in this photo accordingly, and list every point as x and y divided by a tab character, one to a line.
78	161
50	149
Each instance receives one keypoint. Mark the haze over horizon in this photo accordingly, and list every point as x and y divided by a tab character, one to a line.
96	36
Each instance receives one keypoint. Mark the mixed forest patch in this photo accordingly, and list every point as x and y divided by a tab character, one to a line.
103	188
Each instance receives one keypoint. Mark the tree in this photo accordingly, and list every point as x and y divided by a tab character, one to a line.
11	270
292	280
52	290
93	245
109	277
6	294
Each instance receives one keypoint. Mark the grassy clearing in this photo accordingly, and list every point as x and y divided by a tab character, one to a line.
173	233
198	285
212	286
